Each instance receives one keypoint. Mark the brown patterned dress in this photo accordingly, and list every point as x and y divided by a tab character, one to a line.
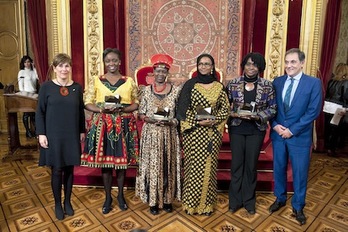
201	148
158	179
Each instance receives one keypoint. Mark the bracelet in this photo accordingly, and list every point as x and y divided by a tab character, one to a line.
174	121
145	118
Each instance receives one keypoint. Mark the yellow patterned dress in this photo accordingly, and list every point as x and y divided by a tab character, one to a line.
158	179
112	139
201	148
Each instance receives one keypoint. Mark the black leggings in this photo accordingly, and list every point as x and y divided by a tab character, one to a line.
107	180
59	175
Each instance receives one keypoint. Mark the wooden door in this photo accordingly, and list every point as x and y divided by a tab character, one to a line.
12	47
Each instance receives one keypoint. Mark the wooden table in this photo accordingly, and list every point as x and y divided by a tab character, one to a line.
14	103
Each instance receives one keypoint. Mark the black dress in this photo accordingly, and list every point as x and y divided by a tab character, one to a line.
61	119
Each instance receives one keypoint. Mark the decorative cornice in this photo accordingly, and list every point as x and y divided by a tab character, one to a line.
276	37
93	39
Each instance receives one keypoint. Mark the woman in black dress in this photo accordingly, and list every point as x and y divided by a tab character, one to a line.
60	126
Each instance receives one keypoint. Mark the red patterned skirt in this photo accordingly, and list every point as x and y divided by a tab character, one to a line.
111	141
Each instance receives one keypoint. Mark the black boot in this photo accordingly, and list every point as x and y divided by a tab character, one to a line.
28	133
32	124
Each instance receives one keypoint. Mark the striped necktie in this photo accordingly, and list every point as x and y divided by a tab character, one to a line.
288	95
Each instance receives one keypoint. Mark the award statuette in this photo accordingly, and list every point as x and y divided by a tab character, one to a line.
204	113
247	110
113	101
161	114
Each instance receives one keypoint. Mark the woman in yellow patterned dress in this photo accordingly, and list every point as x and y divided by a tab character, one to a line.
158	179
112	140
202	138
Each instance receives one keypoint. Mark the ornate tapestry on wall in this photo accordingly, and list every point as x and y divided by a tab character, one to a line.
184	29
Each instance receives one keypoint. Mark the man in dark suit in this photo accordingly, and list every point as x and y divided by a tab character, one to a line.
299	100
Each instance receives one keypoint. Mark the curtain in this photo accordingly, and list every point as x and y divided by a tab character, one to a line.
294	24
327	59
120	31
38	33
248	26
77	43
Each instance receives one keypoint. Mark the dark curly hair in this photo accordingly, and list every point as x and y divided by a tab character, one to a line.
257	58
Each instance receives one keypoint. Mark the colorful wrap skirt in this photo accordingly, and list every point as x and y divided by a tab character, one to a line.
111	141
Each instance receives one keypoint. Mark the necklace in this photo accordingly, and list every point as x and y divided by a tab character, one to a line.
63	90
250	86
160	90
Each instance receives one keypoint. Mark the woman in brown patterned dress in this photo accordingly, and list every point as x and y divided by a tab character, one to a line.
201	138
158	179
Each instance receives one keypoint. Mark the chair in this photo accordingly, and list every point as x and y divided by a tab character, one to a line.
219	74
144	75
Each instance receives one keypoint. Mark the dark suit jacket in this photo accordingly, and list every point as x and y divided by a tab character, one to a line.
305	108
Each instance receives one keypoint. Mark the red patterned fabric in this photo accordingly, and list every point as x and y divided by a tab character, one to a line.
184	30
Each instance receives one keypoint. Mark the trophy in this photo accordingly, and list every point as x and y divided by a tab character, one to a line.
204	113
113	101
247	109
161	114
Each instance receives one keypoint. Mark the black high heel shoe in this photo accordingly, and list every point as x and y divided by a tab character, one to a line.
122	203
107	207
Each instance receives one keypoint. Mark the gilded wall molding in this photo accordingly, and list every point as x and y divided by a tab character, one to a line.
64	35
52	28
93	39
313	18
276	37
58	27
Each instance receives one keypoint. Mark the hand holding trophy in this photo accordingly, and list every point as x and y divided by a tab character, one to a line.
112	104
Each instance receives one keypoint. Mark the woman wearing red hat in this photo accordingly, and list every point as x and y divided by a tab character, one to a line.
112	140
158	179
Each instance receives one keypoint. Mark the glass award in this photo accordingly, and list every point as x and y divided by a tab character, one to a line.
247	109
113	101
204	113
161	114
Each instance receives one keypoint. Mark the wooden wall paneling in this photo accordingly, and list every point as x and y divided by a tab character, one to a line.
12	47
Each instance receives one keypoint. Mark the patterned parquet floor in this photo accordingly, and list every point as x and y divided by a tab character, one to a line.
27	203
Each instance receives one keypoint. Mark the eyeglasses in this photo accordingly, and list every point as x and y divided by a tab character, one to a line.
248	64
205	64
